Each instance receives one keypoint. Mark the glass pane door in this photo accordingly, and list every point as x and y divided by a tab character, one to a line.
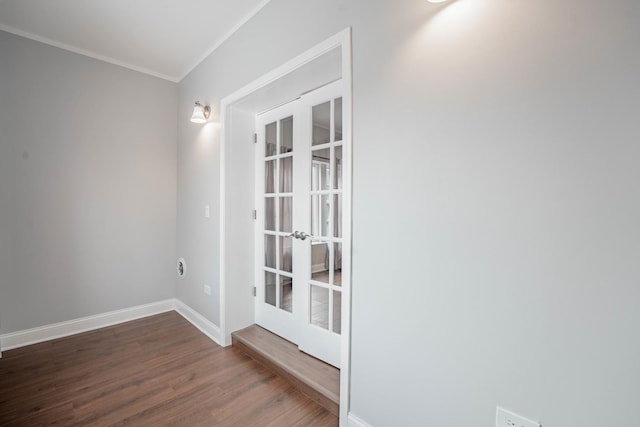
322	280
275	186
299	229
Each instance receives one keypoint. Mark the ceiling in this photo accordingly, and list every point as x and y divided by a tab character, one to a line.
164	38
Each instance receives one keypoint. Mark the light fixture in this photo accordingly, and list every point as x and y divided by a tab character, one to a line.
436	1
200	113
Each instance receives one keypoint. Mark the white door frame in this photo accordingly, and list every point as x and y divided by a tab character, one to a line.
341	40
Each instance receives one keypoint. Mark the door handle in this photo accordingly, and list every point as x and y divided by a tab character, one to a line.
302	235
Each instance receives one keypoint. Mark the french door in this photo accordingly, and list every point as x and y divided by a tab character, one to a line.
299	241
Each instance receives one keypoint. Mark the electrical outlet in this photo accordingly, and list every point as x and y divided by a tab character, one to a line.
505	418
207	290
207	211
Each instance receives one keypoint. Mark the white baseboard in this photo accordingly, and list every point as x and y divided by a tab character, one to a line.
71	327
355	421
199	321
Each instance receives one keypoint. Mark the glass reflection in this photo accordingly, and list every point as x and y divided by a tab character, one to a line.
286	213
337	311
270	288
321	116
286	251
270	251
270	176
270	134
337	215
337	119
269	214
337	264
320	262
337	168
320	215
319	306
286	175
286	293
320	169
286	135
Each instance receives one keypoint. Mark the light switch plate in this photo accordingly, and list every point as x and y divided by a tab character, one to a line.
506	418
207	290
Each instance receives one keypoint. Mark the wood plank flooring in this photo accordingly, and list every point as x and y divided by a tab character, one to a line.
156	371
316	379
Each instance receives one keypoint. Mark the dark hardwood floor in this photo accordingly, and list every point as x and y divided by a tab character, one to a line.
155	371
316	379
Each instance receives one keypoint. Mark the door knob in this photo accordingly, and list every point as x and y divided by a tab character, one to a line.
301	235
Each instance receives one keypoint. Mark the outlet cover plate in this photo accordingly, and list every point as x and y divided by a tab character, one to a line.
506	418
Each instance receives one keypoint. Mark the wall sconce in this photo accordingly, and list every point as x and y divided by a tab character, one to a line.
200	113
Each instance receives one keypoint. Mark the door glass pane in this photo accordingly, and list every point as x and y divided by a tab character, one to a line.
286	135
286	213
286	175
337	215
286	293
286	248
321	116
320	261
337	264
320	215
325	209
337	311
337	119
270	251
269	214
320	169
270	134
270	176
270	288
337	168
319	306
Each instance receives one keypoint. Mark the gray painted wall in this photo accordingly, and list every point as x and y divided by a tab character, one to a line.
87	186
496	241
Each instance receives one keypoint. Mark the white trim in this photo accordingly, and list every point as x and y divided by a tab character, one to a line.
87	53
297	62
355	421
224	38
71	327
198	320
347	246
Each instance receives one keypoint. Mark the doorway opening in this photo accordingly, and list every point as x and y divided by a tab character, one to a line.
299	204
327	62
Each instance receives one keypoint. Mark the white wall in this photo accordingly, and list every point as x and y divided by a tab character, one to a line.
509	131
88	190
496	240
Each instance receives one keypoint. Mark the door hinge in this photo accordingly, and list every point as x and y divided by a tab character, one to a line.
255	291
255	138
255	214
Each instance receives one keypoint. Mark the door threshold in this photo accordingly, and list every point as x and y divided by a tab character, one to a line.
315	378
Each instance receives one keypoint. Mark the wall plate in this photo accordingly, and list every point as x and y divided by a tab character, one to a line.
506	418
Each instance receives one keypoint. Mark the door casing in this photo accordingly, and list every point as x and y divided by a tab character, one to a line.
236	298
